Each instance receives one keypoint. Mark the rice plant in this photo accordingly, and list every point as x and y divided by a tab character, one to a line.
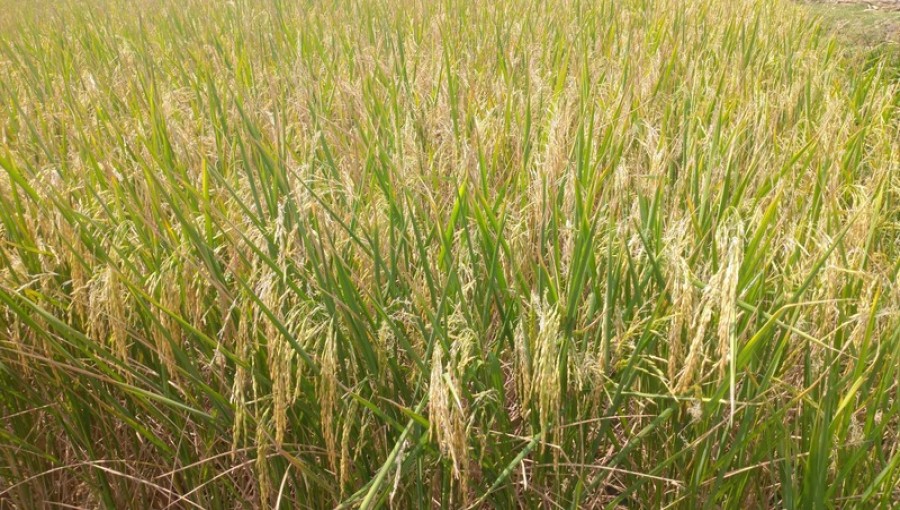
410	254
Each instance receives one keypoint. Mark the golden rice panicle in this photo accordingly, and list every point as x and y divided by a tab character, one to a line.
696	356
263	451
243	348
447	414
328	396
107	318
281	367
547	343
164	286
347	442
728	297
522	368
683	296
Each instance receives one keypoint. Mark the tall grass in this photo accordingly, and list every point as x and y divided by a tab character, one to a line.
559	254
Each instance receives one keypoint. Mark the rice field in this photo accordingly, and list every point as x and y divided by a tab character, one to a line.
415	254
